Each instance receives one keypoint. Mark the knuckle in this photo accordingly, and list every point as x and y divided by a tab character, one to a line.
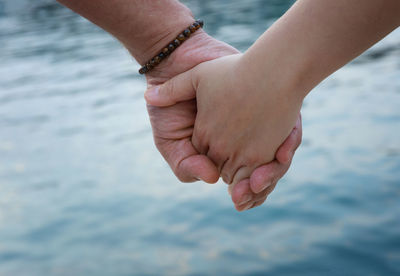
199	142
252	160
228	170
226	177
217	154
168	88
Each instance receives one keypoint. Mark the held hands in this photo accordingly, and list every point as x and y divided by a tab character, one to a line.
228	116
239	127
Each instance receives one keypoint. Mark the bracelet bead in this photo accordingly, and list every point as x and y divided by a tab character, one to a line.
181	37
157	59
192	28
177	42
187	32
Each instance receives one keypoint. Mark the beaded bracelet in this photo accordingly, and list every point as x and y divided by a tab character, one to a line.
167	50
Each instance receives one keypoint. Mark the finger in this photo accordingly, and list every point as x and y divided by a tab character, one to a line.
226	170
241	173
178	89
187	164
249	205
197	167
260	202
241	193
244	207
265	192
232	170
286	151
229	169
257	199
265	175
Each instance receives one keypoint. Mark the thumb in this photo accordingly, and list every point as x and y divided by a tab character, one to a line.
178	89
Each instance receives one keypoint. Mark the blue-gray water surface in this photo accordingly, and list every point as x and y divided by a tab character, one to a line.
83	190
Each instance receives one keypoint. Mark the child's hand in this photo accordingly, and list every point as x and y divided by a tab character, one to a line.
239	124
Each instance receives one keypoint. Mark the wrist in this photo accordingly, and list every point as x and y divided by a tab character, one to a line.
157	37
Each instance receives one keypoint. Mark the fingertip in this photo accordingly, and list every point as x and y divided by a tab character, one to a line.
241	192
244	207
208	172
299	121
286	151
210	177
263	176
260	202
199	167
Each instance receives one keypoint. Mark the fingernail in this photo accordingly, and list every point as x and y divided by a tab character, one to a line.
246	207
199	178
152	94
265	185
245	199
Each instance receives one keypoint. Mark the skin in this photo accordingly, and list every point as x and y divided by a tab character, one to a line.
263	89
144	27
173	130
236	135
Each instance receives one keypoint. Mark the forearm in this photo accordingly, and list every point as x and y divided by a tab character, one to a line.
143	26
315	38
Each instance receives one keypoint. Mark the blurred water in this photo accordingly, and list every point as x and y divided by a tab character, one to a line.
83	190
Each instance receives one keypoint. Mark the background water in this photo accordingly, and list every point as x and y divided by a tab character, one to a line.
83	191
